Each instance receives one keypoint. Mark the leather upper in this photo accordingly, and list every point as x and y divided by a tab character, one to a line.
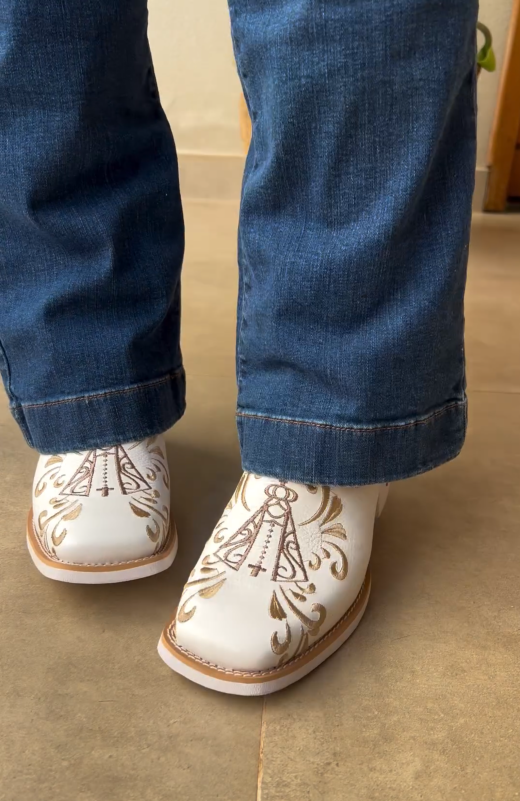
105	505
284	564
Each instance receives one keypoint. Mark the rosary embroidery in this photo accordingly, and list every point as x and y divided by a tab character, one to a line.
272	522
95	466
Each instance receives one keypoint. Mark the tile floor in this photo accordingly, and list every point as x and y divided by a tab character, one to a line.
422	703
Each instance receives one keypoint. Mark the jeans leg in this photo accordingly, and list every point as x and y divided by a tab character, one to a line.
91	229
354	232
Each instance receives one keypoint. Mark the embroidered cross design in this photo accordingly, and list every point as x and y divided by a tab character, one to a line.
273	521
256	569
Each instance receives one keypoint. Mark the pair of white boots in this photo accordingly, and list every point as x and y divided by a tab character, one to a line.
281	583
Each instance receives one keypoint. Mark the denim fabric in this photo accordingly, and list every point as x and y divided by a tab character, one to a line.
352	246
91	229
354	235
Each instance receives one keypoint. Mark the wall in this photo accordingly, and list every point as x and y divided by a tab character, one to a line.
495	14
200	90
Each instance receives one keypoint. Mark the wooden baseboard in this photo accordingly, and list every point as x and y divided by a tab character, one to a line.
506	124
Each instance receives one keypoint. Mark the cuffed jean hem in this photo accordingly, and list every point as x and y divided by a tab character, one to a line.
102	419
318	453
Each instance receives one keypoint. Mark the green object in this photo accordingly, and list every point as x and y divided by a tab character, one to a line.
485	56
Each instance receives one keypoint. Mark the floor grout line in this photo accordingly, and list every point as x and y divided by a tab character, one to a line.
494	391
261	753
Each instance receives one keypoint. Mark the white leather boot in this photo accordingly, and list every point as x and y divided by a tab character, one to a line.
103	515
282	582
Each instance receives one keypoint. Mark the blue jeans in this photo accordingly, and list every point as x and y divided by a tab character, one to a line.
353	237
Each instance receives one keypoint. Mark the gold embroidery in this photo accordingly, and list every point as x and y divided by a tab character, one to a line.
278	647
52	475
49	525
337	530
53	460
73	514
220	528
57	539
239	493
145	502
308	589
159	465
137	511
325	494
209	560
151	534
275	608
267	543
303	643
183	616
205	579
339	572
338	569
313	626
335	509
209	592
58	503
298	595
94	471
308	626
331	530
211	585
146	506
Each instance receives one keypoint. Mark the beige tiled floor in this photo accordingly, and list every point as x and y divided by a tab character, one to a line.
422	703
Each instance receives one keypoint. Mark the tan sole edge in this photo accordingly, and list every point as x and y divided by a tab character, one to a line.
170	544
251	677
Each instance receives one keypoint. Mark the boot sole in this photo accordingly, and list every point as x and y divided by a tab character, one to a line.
100	573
